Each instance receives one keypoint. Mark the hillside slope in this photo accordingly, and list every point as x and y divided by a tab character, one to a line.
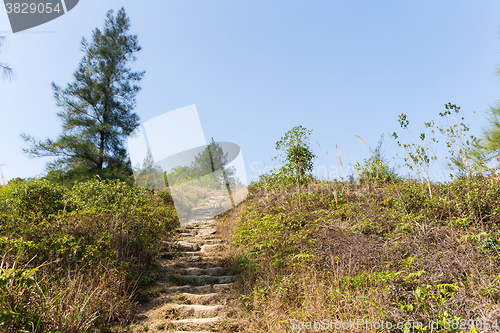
376	253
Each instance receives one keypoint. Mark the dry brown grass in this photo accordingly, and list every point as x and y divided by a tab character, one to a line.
375	255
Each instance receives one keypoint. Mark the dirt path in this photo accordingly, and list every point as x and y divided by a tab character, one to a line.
194	289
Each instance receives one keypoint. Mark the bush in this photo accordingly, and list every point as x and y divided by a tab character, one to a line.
376	167
107	195
72	258
375	170
38	197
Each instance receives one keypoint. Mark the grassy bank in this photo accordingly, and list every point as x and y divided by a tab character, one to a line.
73	259
374	251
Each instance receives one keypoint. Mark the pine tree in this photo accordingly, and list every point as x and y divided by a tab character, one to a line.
492	133
213	160
97	108
149	175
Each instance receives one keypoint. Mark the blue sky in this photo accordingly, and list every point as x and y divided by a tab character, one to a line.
254	69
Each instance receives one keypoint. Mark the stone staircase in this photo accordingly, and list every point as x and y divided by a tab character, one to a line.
194	288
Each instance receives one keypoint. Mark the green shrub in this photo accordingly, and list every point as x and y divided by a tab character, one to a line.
376	167
38	197
107	195
81	252
375	170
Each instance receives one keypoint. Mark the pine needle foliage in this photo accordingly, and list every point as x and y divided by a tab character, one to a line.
97	108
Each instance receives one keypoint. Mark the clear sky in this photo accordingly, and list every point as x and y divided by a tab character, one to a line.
256	68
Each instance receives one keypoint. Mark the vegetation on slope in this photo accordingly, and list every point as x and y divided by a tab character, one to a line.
373	251
72	259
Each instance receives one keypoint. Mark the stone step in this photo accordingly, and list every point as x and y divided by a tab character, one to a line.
223	287
219	271
210	248
205	299
187	254
200	280
207	288
204	228
212	241
213	271
206	232
183	264
183	235
192	259
186	232
194	285
195	321
201	258
197	310
187	288
203	241
187	246
206	237
191	254
192	225
192	271
197	225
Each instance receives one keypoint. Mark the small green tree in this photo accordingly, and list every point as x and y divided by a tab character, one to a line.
376	167
417	157
298	156
467	155
97	107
